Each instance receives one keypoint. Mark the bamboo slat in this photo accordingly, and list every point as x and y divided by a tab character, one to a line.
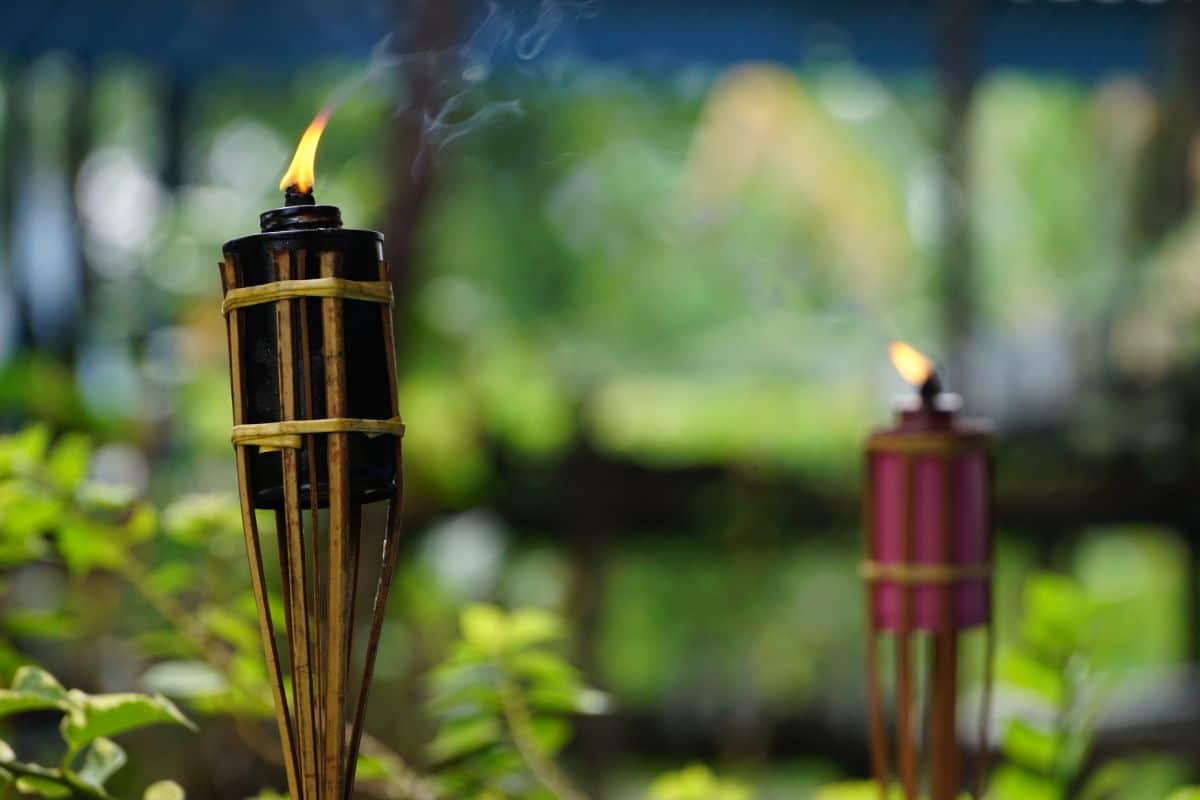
388	556
880	767
340	588
905	735
944	757
316	652
989	656
254	548
297	591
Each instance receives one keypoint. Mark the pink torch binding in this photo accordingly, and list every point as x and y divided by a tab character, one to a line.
928	521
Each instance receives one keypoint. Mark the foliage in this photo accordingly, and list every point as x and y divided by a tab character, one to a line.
184	563
89	757
856	790
696	782
1062	680
501	702
502	699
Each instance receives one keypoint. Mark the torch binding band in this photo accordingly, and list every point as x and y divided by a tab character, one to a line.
367	291
286	434
872	571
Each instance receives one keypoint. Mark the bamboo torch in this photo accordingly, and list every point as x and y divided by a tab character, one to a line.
927	503
317	435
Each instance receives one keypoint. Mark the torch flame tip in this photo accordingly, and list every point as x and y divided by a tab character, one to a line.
301	173
910	362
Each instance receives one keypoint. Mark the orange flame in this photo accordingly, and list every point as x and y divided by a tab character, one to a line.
912	365
302	172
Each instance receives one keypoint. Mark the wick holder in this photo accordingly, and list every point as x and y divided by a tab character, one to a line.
317	435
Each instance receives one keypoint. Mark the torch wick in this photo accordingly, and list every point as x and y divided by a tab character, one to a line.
931	388
292	196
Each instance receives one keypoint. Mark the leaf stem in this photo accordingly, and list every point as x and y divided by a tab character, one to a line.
61	777
520	727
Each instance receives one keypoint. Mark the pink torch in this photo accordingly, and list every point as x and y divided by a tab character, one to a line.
928	509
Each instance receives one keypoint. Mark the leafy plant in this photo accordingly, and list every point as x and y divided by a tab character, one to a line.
856	790
185	564
1061	680
696	782
89	757
502	700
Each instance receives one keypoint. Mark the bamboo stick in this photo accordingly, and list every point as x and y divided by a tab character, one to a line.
905	735
296	590
316	652
944	757
253	544
388	556
880	767
989	656
339	607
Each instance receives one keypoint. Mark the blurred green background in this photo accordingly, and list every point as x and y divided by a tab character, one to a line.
643	312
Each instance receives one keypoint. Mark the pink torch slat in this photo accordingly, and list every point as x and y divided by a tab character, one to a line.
931	441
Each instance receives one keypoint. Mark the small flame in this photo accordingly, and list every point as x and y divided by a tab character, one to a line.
301	173
912	365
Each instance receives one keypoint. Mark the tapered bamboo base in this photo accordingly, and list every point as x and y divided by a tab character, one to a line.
320	706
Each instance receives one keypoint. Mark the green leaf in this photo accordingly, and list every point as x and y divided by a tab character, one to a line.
164	790
23	452
171	577
457	739
68	462
557	699
1020	670
42	787
1031	747
142	523
26	510
531	626
33	688
103	759
87	544
235	629
483	626
112	497
855	790
1057	615
543	667
95	716
371	768
697	782
184	679
40	624
550	734
1186	793
197	518
1013	783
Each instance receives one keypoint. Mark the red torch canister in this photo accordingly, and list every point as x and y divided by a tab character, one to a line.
928	512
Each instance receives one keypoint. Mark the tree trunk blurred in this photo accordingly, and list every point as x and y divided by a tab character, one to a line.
432	27
955	49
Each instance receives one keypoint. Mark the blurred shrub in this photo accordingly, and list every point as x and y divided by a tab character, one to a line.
696	782
89	756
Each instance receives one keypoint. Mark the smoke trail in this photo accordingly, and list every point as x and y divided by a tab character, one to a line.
461	71
499	37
